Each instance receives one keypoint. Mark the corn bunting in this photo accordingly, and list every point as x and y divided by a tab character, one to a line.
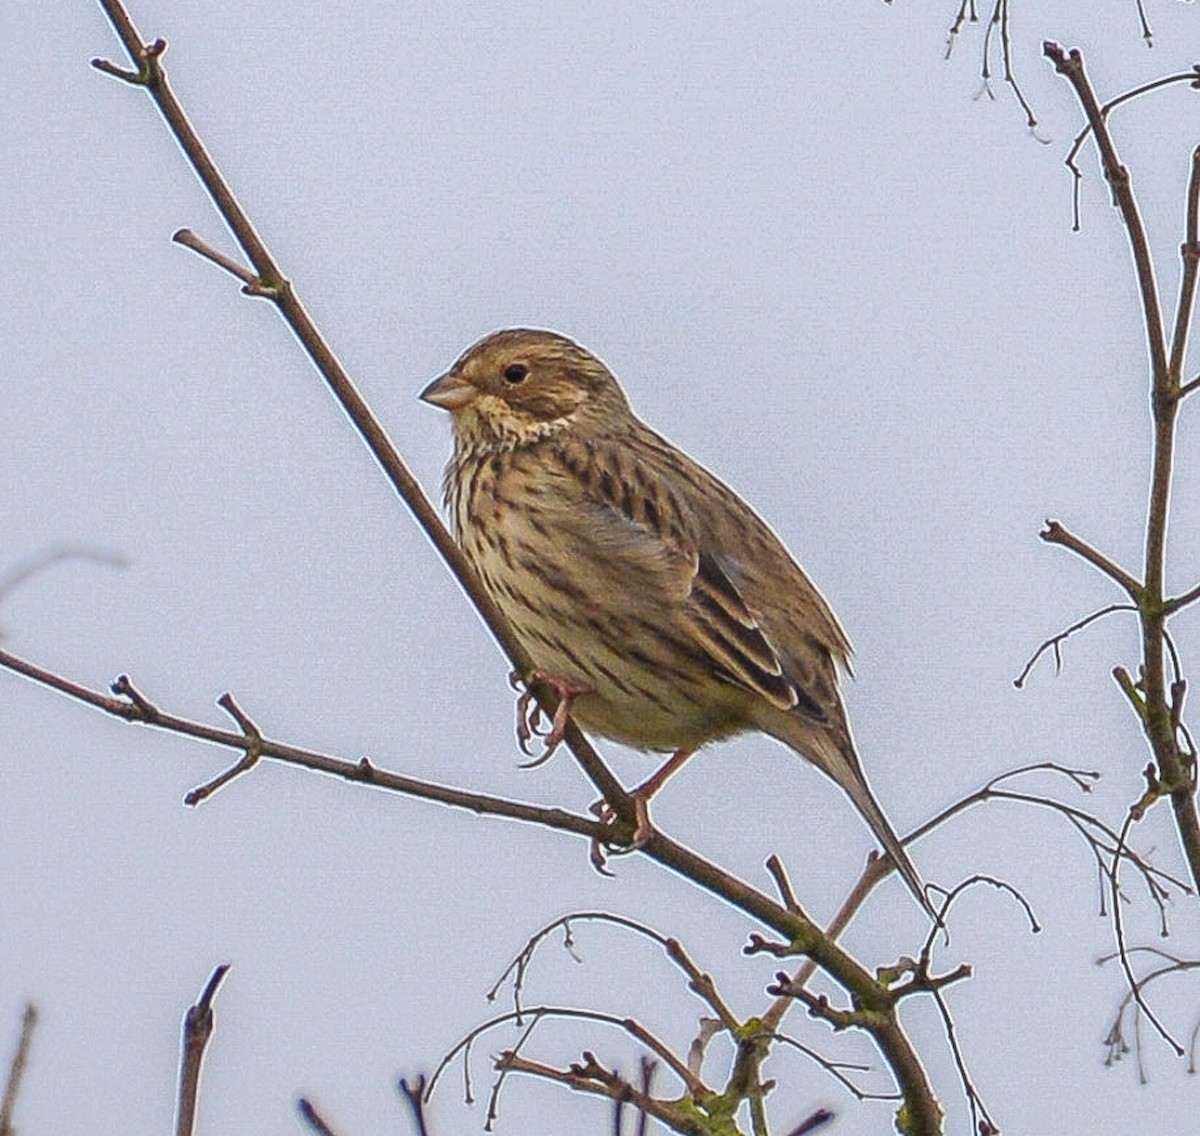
664	611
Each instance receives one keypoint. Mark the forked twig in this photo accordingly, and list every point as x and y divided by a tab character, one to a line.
133	706
1105	110
415	1094
1055	642
699	982
1115	1039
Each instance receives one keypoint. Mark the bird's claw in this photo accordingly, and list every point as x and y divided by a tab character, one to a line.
531	717
643	829
599	857
529	722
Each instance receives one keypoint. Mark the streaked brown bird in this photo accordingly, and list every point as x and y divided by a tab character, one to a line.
647	592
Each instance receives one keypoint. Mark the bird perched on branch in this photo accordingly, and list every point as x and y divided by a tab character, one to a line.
660	607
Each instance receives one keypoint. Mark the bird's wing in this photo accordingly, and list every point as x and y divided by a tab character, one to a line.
636	516
735	641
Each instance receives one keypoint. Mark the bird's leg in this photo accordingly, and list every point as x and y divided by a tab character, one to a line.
643	827
662	775
642	794
530	714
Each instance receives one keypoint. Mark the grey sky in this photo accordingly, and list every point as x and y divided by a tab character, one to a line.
817	262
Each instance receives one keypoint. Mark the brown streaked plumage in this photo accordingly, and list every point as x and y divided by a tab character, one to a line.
632	573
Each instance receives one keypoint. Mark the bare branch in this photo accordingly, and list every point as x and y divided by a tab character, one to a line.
589	1076
134	707
699	982
16	1070
997	23
253	751
313	1118
981	1120
782	883
1001	16
197	1031
1189	387
1177	603
1190	252
836	1069
1123	951
416	1095
1055	642
1054	533
269	281
1070	65
202	248
629	1026
1115	1040
25	570
503	1068
802	933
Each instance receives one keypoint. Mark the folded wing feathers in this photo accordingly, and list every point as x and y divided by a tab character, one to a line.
733	637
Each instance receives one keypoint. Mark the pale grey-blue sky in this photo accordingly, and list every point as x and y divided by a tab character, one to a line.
814	260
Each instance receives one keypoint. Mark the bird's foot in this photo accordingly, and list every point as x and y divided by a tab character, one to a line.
643	829
531	717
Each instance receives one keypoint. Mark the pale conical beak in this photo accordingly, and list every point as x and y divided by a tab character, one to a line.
449	392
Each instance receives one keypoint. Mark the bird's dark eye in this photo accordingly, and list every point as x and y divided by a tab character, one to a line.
515	373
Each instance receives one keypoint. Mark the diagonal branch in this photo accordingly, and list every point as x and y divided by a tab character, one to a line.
134	707
1054	533
921	1110
269	281
1069	64
16	1070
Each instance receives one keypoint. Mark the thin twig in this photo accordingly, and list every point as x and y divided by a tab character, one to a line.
416	1096
541	1013
502	1071
16	1070
836	1069
198	1025
1123	950
1055	642
202	248
589	1076
1177	603
699	982
311	1117
1189	251
134	707
25	570
1115	1039
981	1120
1054	533
1105	110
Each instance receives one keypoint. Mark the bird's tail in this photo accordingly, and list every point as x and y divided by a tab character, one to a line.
840	762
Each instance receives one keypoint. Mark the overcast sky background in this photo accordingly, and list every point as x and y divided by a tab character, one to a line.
819	262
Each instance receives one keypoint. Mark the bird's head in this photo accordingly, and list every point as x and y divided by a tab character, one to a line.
514	387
